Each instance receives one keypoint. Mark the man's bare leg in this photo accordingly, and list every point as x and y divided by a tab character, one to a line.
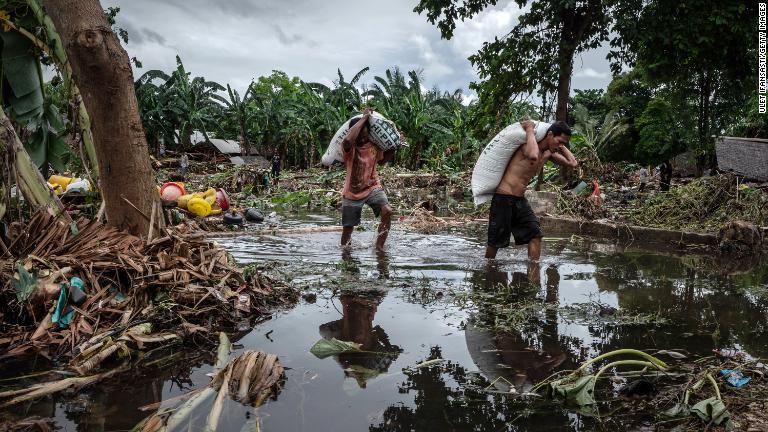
534	272
490	252
534	249
384	225
346	235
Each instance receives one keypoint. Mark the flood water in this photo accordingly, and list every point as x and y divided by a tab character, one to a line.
433	297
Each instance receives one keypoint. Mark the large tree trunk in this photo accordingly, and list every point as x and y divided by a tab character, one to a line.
244	137
102	72
564	86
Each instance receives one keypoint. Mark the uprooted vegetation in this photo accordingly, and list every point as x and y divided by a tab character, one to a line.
704	204
141	293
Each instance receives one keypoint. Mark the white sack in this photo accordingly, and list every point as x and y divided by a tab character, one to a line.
383	133
494	158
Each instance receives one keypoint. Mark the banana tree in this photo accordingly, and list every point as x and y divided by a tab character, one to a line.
153	96
241	111
28	178
192	103
27	19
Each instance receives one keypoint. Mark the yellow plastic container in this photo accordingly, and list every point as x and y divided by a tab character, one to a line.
199	207
60	180
184	200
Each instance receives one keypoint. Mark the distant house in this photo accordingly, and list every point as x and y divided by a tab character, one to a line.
747	157
229	148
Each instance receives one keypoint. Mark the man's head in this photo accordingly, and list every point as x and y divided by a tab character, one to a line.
557	136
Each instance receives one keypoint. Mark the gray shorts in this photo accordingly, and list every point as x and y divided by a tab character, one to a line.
351	210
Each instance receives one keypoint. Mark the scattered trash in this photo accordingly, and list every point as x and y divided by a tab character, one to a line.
735	378
222	199
199	207
640	388
579	388
78	185
249	378
232	218
171	191
201	204
254	215
673	354
64	313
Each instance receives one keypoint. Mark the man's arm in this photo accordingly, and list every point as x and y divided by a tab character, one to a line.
531	147
564	157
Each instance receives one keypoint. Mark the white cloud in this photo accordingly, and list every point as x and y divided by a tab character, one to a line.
590	73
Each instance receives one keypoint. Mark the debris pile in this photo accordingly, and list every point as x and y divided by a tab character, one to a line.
176	280
249	379
704	204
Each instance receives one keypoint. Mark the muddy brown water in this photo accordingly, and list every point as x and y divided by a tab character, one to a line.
432	297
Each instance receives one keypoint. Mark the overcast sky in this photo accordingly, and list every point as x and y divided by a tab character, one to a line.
234	41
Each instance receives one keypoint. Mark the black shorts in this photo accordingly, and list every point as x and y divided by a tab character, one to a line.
511	215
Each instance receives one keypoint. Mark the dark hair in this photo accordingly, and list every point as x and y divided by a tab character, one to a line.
354	121
560	128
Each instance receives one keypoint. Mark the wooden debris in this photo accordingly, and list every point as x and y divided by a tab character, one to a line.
126	277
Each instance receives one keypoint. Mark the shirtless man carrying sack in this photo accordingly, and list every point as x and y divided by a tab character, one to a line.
510	214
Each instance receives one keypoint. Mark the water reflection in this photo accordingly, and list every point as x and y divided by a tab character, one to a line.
449	397
512	358
356	325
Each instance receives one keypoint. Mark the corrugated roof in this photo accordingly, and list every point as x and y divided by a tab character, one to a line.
226	146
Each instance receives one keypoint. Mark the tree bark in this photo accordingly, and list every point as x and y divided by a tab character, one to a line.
102	72
564	86
244	137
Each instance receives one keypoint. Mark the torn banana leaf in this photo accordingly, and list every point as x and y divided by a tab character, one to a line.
328	347
712	410
580	391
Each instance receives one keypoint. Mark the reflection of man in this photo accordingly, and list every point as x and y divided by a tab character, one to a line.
511	354
356	325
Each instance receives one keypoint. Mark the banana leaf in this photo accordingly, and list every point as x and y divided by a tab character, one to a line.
713	410
580	391
21	69
25	285
328	347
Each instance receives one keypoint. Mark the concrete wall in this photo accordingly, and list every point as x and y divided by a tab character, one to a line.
747	157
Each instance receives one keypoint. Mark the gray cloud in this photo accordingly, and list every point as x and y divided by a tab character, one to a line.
153	36
234	41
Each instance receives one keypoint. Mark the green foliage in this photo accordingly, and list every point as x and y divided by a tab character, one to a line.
328	347
173	106
21	68
594	134
536	54
592	99
29	106
659	139
704	62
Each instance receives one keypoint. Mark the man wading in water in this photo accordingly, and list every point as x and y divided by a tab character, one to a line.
510	212
362	184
